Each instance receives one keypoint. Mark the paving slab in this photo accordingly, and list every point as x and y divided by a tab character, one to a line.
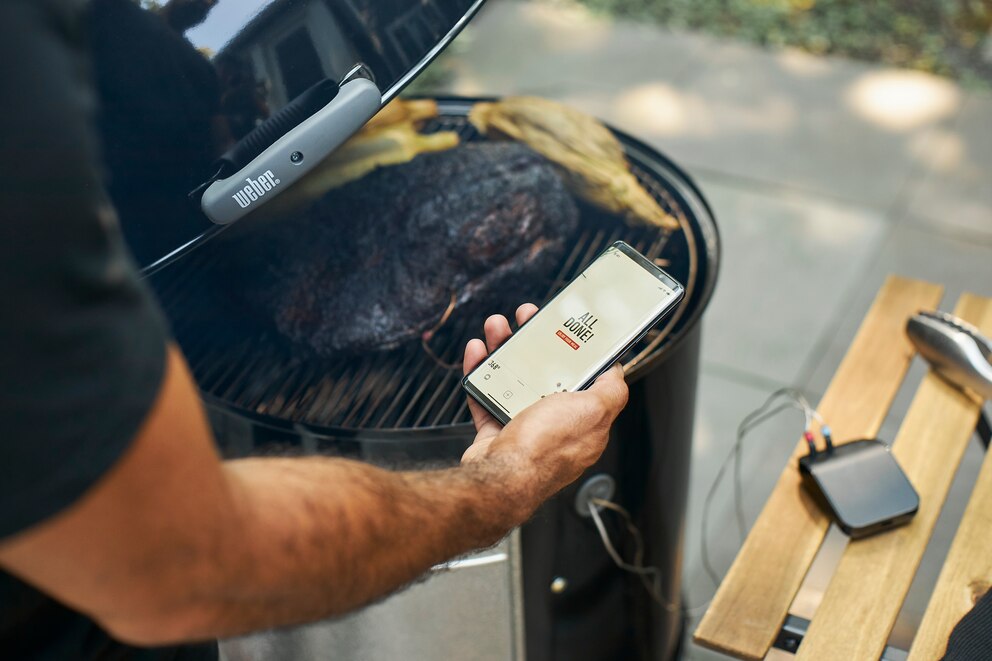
550	48
819	125
954	192
789	263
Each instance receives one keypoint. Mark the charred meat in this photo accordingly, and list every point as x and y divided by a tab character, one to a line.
377	262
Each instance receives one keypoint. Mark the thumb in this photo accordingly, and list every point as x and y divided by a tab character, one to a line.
611	388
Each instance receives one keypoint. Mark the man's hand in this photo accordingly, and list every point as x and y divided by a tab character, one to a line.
549	444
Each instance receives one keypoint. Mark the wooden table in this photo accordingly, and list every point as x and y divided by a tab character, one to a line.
750	611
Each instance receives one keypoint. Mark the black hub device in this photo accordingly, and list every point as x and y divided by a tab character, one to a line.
861	485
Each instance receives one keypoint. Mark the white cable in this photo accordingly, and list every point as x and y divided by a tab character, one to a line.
733	453
750	421
754	418
650	576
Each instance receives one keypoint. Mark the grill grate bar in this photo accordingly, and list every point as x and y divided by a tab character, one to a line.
413	401
454	396
435	373
301	403
328	389
273	398
383	393
429	405
219	366
298	402
383	422
235	386
363	381
357	387
463	415
258	398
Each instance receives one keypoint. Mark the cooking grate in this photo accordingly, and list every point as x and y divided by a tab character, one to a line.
239	365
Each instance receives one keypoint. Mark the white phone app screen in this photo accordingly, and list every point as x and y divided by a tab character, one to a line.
566	343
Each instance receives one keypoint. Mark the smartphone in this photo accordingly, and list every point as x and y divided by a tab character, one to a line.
578	334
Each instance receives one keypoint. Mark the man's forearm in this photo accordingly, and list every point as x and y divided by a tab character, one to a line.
311	538
173	544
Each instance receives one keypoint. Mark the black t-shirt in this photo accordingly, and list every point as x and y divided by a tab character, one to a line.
82	345
159	100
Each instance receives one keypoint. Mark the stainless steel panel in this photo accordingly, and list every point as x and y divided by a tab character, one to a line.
468	610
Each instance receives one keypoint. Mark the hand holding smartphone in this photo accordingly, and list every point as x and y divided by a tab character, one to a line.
578	335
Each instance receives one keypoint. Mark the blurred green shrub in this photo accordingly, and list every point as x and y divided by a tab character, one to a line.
947	37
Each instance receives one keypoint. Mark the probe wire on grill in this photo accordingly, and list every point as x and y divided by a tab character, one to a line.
429	334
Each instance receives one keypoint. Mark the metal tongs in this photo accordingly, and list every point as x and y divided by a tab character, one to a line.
955	349
958	352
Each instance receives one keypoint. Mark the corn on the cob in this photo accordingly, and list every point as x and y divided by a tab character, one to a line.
589	156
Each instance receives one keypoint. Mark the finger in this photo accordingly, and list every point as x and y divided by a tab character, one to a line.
525	312
611	388
475	353
481	418
497	331
480	446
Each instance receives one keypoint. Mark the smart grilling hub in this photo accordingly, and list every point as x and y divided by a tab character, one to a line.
861	485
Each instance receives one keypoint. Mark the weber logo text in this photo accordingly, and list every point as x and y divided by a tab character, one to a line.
255	189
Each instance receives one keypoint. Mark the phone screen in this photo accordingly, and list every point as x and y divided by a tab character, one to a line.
579	331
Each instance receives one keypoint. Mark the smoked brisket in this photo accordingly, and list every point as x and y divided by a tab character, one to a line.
376	263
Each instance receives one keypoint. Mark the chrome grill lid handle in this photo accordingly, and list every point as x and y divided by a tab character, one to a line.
276	163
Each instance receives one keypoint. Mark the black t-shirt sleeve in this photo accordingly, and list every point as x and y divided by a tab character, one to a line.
82	345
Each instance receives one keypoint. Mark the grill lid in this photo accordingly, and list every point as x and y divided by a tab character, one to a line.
399	37
236	99
291	45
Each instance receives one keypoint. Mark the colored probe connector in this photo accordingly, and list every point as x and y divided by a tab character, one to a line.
827	436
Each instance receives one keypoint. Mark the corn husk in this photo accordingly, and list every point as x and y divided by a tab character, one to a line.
588	155
389	138
402	110
368	150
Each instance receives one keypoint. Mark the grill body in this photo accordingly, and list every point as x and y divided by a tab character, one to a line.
403	408
605	613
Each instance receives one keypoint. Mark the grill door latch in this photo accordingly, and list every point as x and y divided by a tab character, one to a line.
284	148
